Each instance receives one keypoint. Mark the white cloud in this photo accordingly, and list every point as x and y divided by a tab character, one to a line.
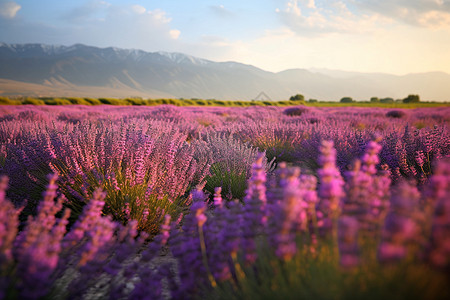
434	19
307	18
156	14
174	33
159	15
129	26
397	51
9	9
102	24
311	4
423	13
138	9
312	18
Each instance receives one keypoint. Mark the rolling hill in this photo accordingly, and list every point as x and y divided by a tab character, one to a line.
80	70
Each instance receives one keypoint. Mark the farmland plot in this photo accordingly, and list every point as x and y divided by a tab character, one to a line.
256	202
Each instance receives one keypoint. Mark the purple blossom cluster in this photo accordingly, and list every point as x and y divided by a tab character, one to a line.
439	244
285	210
213	241
367	189
330	189
34	259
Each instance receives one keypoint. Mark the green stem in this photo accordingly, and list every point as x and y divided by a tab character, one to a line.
205	259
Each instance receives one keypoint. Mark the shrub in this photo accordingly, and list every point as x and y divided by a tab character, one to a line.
313	120
33	101
113	101
278	142
395	114
295	111
134	101
412	99
93	101
171	101
231	162
187	102
346	100
57	101
218	102
6	101
146	173
387	100
298	97
200	102
78	101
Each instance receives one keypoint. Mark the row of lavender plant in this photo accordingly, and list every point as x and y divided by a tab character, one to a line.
218	244
147	164
410	141
148	159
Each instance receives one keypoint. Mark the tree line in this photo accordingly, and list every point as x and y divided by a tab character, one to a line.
410	99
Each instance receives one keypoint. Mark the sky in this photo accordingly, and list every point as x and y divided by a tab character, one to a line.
396	36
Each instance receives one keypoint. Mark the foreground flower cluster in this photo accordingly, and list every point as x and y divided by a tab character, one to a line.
288	215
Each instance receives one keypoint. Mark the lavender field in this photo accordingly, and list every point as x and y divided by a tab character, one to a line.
165	202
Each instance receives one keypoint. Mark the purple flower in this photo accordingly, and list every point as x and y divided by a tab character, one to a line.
439	244
420	158
218	197
9	223
367	191
348	241
38	247
254	209
91	213
370	159
401	229
331	186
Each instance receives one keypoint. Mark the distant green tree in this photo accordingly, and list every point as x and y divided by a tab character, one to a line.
347	100
312	100
412	99
298	97
387	100
374	99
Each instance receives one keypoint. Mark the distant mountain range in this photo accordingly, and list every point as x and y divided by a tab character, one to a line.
80	70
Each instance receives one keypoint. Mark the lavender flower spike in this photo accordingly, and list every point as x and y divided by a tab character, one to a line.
348	241
254	210
439	254
218	197
331	186
9	218
400	227
370	159
293	213
256	190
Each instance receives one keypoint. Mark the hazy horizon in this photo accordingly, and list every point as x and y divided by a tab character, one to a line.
395	37
312	69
